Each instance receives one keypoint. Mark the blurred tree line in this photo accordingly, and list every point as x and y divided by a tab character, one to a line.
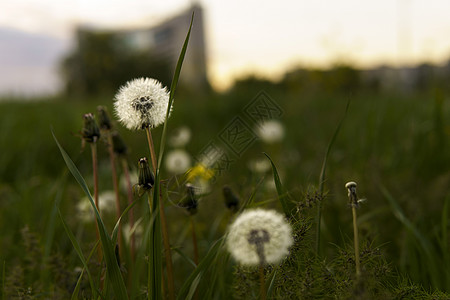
345	79
103	61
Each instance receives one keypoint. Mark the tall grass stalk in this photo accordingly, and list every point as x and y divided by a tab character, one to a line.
161	154
114	276
165	233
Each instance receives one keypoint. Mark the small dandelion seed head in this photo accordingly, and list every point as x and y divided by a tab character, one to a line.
271	131
141	103
106	201
259	236
180	137
177	161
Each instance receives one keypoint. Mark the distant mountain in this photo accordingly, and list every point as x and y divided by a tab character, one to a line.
29	62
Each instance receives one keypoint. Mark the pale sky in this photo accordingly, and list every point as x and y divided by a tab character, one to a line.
267	37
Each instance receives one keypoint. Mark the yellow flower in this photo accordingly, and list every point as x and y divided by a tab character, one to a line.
199	171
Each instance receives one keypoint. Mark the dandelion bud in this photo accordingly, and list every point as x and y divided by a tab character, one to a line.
190	201
90	131
119	146
146	177
231	200
103	118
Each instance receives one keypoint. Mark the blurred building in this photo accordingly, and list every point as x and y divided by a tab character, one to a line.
165	40
106	59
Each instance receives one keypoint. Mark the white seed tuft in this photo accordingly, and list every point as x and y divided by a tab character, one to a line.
141	103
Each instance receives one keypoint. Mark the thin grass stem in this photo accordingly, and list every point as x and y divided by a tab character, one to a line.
112	159
152	149
96	201
130	201
356	240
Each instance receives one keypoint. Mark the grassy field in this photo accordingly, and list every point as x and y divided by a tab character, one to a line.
394	146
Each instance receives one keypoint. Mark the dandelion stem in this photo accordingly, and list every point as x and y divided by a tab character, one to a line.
355	233
95	174
167	253
112	158
152	148
130	201
165	233
262	283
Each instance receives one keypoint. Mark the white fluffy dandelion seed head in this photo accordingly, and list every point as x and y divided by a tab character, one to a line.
106	202
276	247
141	102
177	161
259	165
271	131
180	137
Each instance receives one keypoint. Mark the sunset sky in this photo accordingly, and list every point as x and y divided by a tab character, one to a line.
266	37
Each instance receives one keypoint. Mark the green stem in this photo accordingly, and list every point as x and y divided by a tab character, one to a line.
152	149
112	158
95	174
165	233
130	201
355	234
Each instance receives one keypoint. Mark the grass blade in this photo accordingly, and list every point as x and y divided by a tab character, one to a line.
185	257
322	177
424	243
116	226
201	268
272	282
78	250
112	267
173	87
283	196
77	287
155	261
249	201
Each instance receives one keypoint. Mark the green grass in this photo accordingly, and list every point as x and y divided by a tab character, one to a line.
394	146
